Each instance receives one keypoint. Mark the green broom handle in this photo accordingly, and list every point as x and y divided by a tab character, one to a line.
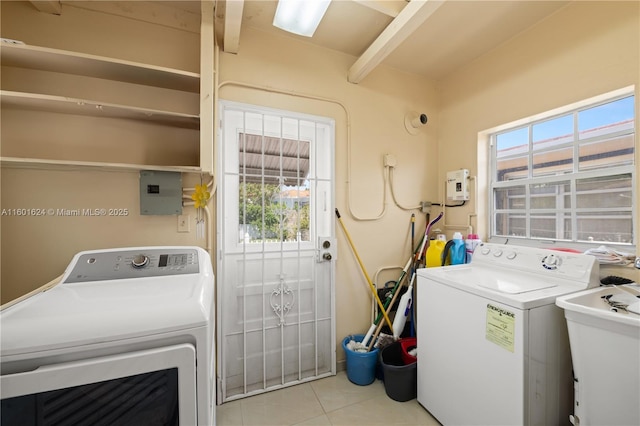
387	300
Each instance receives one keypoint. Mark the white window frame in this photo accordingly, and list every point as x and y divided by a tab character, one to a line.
572	177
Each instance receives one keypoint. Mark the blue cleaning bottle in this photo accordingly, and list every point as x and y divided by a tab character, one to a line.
458	251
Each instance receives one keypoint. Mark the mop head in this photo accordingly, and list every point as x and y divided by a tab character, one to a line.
356	346
384	340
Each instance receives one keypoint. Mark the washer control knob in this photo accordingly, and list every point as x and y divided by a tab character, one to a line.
140	261
551	262
497	253
512	255
485	251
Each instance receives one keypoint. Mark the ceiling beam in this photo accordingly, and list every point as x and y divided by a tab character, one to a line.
232	24
388	7
414	14
48	6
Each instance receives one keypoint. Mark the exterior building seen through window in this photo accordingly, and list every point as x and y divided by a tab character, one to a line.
568	177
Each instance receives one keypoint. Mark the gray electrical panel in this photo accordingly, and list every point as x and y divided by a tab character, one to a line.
160	193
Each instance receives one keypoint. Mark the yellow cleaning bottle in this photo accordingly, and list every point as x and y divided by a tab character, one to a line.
434	251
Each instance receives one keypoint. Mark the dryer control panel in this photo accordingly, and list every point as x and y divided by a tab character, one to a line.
133	263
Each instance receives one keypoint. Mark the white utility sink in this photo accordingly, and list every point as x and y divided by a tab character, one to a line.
592	303
605	350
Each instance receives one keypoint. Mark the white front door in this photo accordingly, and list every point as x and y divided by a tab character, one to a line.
276	247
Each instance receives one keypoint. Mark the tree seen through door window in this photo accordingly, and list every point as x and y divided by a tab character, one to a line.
272	212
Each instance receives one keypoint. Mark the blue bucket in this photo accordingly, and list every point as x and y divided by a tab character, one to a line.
361	366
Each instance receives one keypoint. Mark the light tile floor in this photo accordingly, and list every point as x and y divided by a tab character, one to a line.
329	401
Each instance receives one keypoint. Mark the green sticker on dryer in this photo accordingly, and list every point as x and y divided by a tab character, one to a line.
501	326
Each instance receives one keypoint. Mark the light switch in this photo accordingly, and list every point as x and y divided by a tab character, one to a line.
183	223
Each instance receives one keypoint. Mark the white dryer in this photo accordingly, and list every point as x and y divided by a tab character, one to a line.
493	347
126	337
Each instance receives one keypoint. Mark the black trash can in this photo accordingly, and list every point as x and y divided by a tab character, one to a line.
400	380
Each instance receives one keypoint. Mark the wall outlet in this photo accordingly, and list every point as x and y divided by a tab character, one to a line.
183	223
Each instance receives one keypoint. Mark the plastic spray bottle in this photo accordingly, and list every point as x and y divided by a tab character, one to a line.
458	252
470	244
404	307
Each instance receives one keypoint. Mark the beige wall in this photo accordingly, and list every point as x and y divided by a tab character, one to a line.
584	50
37	249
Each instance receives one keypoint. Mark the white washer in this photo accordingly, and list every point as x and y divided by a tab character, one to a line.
126	337
492	345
